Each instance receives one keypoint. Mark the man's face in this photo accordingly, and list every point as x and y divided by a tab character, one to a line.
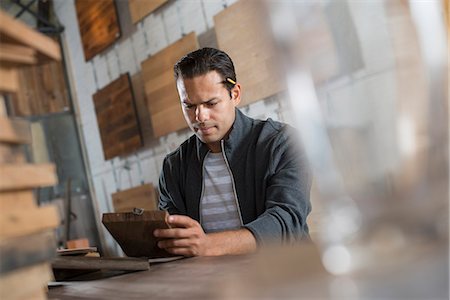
207	107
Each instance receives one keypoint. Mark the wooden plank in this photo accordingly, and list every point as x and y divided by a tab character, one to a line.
14	31
117	119
25	283
134	233
19	223
16	55
14	131
142	110
139	8
143	196
17	200
100	263
98	24
26	176
27	250
160	88
12	153
9	80
42	90
255	57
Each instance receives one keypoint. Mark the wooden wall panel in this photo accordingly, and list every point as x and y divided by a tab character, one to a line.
143	196
9	80
140	8
160	89
98	23
244	35
42	90
117	119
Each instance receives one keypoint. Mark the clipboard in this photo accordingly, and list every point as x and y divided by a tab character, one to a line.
133	231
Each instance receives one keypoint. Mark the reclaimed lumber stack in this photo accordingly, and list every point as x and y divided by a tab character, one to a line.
27	238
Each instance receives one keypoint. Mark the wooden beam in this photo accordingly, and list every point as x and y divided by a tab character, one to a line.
16	55
26	176
19	223
100	263
17	200
27	250
26	282
15	131
17	32
12	153
9	80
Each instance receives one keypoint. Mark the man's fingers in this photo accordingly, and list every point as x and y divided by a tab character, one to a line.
178	243
173	233
181	251
181	221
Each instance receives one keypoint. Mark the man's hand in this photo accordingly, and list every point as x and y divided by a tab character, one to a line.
187	238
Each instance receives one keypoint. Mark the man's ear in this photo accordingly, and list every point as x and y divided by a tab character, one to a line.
236	94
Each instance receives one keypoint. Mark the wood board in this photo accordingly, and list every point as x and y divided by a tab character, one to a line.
98	24
134	233
17	200
26	176
15	131
9	80
117	119
143	196
100	263
16	55
27	250
35	278
160	88
143	113
140	8
10	153
19	223
15	32
252	50
42	90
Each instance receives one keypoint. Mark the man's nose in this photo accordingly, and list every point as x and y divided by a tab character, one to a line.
201	114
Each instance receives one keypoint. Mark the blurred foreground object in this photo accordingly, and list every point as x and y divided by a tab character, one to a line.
27	237
368	87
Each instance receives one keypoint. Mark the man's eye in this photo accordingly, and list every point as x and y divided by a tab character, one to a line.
189	106
211	104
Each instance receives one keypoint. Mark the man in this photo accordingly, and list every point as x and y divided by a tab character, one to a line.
238	182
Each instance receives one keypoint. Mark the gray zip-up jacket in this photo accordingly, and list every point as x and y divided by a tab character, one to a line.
271	179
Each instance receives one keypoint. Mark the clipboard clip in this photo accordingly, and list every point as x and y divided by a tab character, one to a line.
138	211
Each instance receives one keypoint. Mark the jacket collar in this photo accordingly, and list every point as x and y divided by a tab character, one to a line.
239	131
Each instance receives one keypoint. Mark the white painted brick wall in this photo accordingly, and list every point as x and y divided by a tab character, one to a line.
127	60
211	8
155	33
139	45
191	16
171	20
100	69
113	64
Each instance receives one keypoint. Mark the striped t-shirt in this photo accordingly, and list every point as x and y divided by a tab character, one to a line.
219	209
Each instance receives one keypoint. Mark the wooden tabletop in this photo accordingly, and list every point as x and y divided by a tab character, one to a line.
188	278
420	272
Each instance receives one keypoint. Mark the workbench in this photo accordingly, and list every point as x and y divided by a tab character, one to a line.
286	274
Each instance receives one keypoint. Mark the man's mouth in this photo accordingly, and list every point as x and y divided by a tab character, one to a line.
205	130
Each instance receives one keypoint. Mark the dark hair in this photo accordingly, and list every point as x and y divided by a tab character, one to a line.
202	61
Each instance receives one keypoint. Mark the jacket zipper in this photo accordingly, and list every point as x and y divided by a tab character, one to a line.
232	181
203	190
